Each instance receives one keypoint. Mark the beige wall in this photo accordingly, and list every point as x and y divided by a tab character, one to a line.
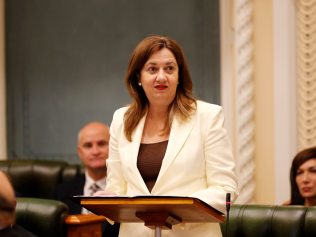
3	150
275	98
284	79
274	77
264	101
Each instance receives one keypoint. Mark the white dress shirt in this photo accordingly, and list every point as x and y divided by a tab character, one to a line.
87	190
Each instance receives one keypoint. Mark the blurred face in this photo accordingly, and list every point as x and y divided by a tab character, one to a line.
93	146
306	179
159	77
8	202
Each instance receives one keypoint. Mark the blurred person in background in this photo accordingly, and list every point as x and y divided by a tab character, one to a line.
8	227
93	150
303	178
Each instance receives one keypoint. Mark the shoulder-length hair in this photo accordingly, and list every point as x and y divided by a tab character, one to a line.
299	159
183	104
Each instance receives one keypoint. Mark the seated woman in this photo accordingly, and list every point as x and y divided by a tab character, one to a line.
303	178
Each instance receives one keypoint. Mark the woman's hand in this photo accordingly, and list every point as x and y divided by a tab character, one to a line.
104	193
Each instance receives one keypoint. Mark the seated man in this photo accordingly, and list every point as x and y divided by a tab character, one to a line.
8	227
92	149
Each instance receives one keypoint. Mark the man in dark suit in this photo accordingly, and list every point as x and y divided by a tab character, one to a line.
71	188
8	227
93	150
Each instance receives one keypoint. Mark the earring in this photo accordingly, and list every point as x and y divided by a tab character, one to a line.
140	84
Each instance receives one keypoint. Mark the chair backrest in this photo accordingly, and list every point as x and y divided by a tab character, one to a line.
38	178
43	217
271	220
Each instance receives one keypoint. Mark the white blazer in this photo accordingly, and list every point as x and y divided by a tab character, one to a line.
198	163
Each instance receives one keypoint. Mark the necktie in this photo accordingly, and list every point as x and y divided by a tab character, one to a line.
94	188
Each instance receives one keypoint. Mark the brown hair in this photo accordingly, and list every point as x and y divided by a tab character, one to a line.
184	103
299	159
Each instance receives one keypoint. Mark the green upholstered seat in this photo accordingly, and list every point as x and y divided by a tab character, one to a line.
270	221
43	217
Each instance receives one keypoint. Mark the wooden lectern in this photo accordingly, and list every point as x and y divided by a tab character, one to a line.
157	212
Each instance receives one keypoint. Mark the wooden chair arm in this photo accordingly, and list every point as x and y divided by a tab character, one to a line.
84	225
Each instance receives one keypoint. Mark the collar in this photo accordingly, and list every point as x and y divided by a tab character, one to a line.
89	181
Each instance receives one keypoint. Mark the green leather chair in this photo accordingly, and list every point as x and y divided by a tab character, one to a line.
38	178
43	217
34	182
270	221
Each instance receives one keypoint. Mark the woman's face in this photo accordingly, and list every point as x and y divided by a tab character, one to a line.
159	77
306	179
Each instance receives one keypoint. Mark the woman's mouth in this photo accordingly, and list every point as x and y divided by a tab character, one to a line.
161	87
306	189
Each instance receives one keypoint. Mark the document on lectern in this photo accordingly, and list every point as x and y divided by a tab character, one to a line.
138	208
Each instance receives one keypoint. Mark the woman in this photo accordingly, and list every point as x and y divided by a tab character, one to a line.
303	178
166	142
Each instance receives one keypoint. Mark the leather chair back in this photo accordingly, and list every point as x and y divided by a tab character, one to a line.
38	178
270	220
43	217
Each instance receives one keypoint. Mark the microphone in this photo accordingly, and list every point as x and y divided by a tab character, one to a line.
228	204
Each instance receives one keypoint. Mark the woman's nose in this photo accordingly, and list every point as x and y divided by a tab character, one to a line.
306	177
161	77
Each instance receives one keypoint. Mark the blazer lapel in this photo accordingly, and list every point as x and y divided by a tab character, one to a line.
133	148
178	135
136	139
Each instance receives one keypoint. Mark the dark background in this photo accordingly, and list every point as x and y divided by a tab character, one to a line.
66	61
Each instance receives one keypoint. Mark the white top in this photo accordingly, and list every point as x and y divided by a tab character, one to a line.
87	191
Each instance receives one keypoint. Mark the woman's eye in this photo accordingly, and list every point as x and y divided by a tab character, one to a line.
170	69
151	69
299	172
313	170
